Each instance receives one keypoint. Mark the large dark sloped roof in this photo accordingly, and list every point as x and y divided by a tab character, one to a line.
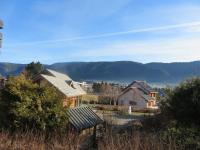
142	85
83	117
138	94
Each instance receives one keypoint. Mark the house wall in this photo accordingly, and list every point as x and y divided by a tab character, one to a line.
71	101
129	96
151	103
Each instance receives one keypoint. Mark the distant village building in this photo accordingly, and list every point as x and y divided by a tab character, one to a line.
1	36
138	95
86	86
71	90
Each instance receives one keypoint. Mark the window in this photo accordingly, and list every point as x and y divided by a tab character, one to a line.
70	83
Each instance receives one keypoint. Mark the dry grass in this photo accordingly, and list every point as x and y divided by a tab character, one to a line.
32	141
90	97
138	141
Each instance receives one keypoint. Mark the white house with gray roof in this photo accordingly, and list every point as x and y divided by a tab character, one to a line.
138	95
71	90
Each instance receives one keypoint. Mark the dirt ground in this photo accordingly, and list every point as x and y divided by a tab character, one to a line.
116	118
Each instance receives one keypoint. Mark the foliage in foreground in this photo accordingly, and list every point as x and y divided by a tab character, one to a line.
24	104
180	115
188	137
183	103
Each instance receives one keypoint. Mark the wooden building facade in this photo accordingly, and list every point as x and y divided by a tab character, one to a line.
70	89
81	118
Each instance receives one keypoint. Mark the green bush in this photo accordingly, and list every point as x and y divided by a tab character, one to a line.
180	114
187	137
24	104
183	103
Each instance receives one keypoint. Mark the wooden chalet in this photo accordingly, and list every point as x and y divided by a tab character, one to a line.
70	89
80	118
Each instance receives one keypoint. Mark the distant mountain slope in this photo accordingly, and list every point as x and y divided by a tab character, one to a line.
10	69
178	71
120	71
114	71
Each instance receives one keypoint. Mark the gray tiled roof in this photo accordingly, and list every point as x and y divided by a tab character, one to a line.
142	85
138	94
63	83
58	75
141	90
83	117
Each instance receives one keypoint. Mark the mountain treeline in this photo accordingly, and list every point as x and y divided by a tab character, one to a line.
119	71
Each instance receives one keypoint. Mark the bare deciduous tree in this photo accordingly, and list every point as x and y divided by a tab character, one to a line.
111	91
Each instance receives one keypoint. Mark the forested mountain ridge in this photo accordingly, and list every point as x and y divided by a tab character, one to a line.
118	71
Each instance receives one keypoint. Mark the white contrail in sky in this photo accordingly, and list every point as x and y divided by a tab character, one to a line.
152	29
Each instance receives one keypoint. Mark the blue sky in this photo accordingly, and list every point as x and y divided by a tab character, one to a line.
100	30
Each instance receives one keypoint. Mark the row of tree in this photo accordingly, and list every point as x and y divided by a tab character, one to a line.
108	92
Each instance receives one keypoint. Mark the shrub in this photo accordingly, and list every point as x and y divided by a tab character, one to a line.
189	137
24	104
183	103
